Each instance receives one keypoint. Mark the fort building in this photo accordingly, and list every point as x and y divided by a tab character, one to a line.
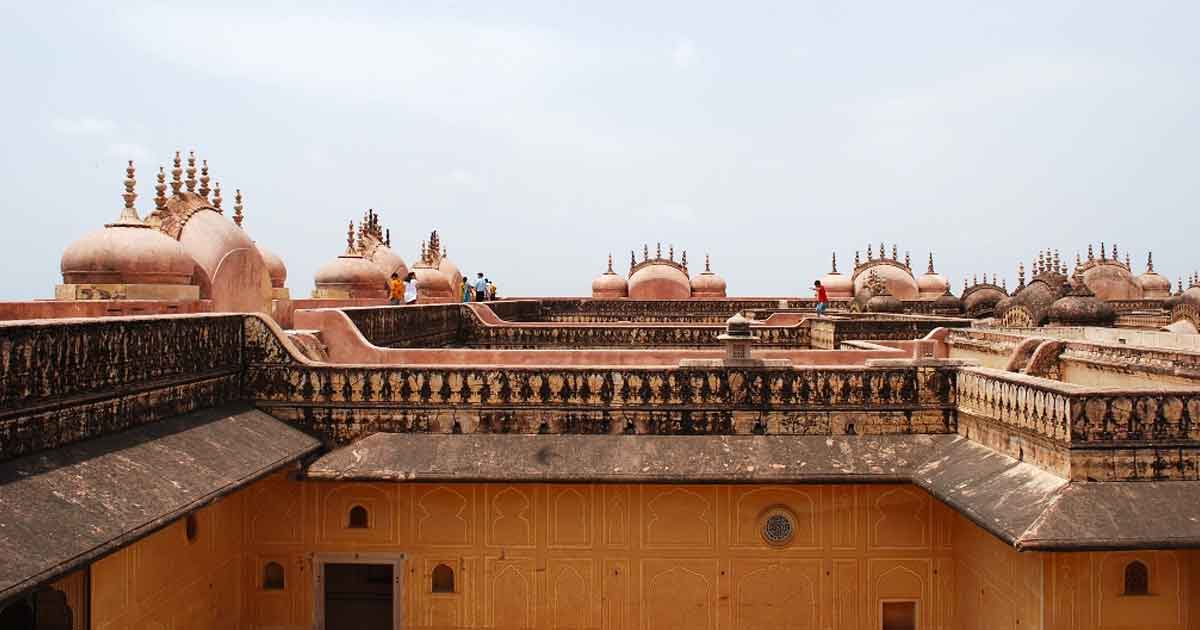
185	444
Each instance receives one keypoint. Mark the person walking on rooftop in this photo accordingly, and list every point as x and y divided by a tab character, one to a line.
464	289
410	288
480	288
395	290
491	289
822	298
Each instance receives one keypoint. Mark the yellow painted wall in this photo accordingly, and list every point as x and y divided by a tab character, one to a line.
613	556
165	582
627	556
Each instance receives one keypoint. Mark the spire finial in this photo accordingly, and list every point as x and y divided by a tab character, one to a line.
709	269
974	279
237	207
1102	253
684	260
833	268
632	260
203	178
388	240
216	199
1149	262
964	284
1057	262
1127	265
129	216
1115	257
350	240
907	260
191	172
856	259
1078	262
160	190
610	262
930	270
1020	274
176	171
1091	255
658	251
645	252
671	250
895	257
424	253
1004	284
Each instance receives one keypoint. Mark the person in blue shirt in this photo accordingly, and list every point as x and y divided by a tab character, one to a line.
480	288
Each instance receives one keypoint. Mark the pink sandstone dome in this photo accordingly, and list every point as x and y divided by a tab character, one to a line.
610	285
353	274
1154	285
659	280
126	255
837	285
433	285
1110	280
127	251
452	273
899	281
708	284
275	267
931	286
230	269
387	260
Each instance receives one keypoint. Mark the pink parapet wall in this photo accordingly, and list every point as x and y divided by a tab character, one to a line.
61	309
345	344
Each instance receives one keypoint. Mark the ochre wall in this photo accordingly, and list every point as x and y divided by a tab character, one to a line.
166	582
613	556
627	556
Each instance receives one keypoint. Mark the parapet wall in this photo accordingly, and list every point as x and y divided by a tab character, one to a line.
69	380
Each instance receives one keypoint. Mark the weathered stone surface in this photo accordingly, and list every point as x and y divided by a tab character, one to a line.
1017	502
64	508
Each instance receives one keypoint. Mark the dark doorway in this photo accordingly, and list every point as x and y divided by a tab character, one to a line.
358	596
899	616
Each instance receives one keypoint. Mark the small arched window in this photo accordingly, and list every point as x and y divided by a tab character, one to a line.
17	615
443	579
191	528
358	517
272	577
1137	579
53	610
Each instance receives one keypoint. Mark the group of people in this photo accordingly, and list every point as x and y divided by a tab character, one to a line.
481	290
404	290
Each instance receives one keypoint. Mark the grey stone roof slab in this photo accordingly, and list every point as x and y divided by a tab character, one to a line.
63	508
1017	502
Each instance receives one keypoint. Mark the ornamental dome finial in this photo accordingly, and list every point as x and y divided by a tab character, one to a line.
203	178
160	194
216	200
238	217
176	172
129	216
191	172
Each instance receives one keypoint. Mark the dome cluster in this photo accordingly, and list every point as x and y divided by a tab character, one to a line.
658	278
185	250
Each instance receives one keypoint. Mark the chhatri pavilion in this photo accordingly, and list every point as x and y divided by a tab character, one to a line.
187	444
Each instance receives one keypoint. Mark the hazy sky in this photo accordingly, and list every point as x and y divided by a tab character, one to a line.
539	136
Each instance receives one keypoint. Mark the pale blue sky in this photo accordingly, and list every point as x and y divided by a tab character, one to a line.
540	136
